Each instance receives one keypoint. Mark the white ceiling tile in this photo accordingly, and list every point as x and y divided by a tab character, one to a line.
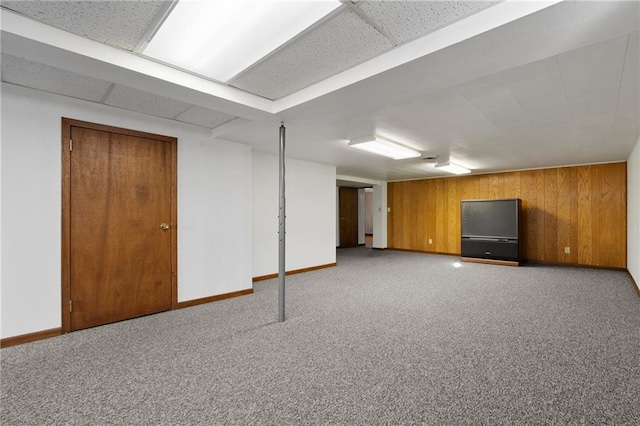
592	76
533	74
408	20
117	23
204	117
629	99
490	97
338	44
144	102
24	72
600	64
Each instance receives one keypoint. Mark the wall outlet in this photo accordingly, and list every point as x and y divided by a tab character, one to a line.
567	250
430	241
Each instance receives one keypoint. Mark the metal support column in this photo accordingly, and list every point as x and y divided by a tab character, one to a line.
281	230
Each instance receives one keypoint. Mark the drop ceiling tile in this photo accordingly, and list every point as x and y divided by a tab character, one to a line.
116	23
147	103
204	117
337	45
491	97
534	73
24	72
630	86
593	71
408	20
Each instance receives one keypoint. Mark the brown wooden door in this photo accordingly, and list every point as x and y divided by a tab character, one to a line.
119	256
348	217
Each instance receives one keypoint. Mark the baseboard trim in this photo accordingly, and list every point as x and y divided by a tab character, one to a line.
576	265
425	251
490	261
635	284
529	261
203	300
295	271
30	337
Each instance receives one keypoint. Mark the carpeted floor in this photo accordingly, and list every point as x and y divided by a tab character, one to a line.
386	337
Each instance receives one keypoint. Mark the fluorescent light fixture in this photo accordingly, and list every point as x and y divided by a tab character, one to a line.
450	167
384	147
220	38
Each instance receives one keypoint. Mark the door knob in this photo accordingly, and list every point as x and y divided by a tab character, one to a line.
164	226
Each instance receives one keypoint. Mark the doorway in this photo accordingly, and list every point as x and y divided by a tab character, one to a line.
348	217
119	209
368	217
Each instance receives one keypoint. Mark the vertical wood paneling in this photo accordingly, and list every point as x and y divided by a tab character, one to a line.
508	186
622	242
540	223
563	210
583	208
432	209
596	204
453	209
550	211
529	221
573	258
442	216
584	216
421	234
610	212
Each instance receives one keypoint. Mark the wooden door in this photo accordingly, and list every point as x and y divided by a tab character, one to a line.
348	217
120	222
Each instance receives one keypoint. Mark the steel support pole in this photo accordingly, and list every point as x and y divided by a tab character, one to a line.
281	230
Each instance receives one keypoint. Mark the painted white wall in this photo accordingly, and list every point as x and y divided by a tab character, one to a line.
311	220
214	205
633	213
214	214
361	207
380	215
337	217
368	211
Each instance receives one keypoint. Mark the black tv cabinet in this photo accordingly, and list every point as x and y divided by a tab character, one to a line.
491	231
490	250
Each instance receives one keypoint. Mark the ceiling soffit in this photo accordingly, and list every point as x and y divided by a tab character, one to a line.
357	34
27	73
121	24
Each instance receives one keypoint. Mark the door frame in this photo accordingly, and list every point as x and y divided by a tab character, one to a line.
67	123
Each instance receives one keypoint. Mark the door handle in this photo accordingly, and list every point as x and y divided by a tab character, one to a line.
164	226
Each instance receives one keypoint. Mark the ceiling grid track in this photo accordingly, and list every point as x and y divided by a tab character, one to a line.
107	93
288	43
624	64
366	18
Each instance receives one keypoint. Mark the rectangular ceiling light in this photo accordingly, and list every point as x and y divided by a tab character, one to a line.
384	147
220	38
450	167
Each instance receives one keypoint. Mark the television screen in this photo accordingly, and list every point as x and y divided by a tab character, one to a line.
490	218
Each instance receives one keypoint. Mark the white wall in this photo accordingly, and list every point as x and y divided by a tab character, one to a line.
214	205
337	216
361	213
380	215
368	211
311	206
633	213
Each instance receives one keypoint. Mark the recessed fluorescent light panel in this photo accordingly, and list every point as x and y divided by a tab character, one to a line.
220	38
384	147
450	167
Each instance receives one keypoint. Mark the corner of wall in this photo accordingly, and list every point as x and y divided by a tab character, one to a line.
633	213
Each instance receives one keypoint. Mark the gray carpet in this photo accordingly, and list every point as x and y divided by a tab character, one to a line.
386	337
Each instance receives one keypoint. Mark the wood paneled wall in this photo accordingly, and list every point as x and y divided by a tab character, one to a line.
583	208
